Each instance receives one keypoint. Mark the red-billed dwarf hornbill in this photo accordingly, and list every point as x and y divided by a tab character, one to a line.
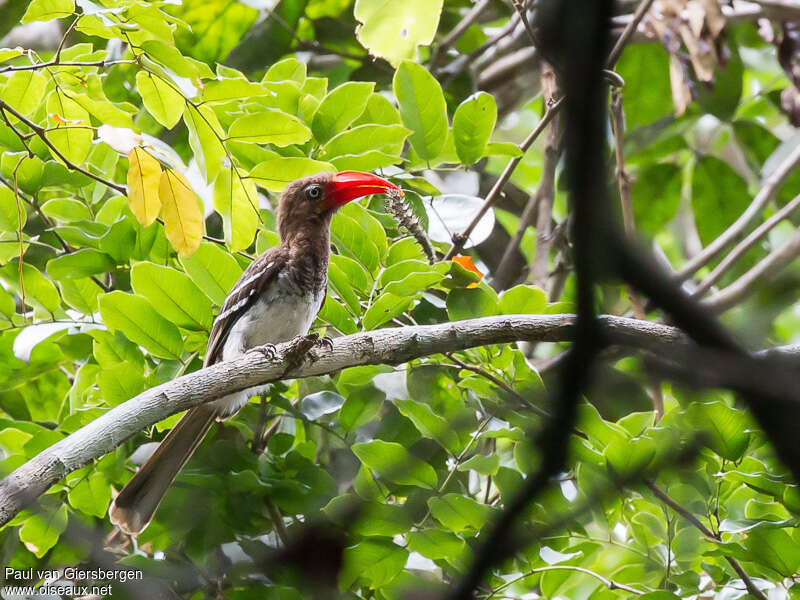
275	300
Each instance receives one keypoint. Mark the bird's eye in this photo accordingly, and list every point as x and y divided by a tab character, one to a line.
313	192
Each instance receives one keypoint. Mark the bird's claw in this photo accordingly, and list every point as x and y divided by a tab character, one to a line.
266	350
325	342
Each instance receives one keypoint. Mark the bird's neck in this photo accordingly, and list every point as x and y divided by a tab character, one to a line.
309	249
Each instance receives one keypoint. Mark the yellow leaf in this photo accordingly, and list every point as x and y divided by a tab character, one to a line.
144	174
183	218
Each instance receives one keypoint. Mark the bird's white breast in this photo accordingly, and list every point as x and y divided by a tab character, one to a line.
282	313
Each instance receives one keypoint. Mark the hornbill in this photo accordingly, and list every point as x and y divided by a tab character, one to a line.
275	300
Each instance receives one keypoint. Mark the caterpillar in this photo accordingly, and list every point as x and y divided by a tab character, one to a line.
404	215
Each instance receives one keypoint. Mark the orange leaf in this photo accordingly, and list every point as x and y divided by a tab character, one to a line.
466	262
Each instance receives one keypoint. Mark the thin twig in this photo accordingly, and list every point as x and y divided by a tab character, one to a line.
544	219
40	132
501	384
626	34
451	38
609	583
460	239
768	190
751	240
737	291
666	499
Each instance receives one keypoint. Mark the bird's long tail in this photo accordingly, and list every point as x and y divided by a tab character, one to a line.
137	502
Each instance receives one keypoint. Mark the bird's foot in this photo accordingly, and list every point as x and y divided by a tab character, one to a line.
325	342
268	351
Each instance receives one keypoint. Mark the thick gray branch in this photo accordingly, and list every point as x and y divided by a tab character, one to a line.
386	346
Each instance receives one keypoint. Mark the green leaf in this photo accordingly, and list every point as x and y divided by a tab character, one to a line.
386	139
160	99
171	57
465	303
719	196
173	294
66	209
485	465
81	294
40	292
288	69
28	170
422	108
227	89
90	494
12	211
728	427
205	133
522	299
394	463
277	172
138	320
429	423
334	313
343	105
774	549
376	561
361	406
379	111
436	544
81	263
459	513
47	10
628	457
350	240
392	29
213	270
648	95
120	382
473	123
24	91
236	199
655	194
41	531
386	307
270	126
71	133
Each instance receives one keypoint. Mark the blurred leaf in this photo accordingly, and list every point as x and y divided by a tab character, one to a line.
47	10
719	196
393	29
393	462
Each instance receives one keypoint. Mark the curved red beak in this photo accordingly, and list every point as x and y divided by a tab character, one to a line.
349	185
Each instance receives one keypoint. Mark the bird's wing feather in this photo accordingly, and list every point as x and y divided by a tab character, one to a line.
257	276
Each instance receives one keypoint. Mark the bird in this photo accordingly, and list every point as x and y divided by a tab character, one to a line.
276	299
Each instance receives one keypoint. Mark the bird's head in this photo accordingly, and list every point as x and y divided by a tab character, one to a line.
314	199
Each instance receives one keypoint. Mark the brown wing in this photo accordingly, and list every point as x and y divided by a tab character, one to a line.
246	290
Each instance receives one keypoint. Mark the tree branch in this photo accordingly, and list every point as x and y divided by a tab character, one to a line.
664	497
768	266
461	238
770	187
745	245
389	346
